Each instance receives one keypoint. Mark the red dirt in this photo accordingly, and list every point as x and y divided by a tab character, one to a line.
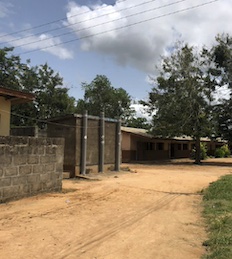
153	212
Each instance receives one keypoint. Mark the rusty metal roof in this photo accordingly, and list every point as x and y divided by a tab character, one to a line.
16	97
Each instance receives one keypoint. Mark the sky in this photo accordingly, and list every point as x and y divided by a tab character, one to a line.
122	39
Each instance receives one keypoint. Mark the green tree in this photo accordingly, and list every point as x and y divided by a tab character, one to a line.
51	98
100	96
10	69
182	96
138	122
222	56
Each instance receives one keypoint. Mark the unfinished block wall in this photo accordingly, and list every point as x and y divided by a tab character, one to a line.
29	166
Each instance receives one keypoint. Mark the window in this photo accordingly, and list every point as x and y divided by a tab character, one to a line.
179	146
185	146
160	146
149	146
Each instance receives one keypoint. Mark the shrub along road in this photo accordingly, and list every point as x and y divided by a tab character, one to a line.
152	212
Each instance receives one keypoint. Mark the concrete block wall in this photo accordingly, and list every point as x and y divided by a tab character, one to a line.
29	166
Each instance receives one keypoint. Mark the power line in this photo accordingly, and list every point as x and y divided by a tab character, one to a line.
46	121
121	27
54	21
101	24
70	25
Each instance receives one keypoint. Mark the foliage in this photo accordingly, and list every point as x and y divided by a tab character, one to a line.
138	122
222	56
223	151
51	98
100	96
217	203
203	151
182	95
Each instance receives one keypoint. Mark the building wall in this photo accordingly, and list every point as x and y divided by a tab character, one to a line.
126	141
72	132
147	149
110	142
29	166
67	129
5	109
92	156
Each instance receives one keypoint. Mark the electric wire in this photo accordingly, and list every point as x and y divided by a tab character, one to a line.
46	121
120	27
55	21
94	26
79	22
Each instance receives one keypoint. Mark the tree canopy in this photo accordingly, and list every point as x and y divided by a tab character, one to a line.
222	56
52	97
100	95
182	96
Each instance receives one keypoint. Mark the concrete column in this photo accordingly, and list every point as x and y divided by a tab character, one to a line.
102	142
84	142
118	146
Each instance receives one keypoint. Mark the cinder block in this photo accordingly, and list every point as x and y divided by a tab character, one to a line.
5	182
33	159
37	169
66	175
47	159
59	167
5	159
49	168
2	150
20	160
36	187
11	171
18	180
45	178
22	150
50	150
10	192
25	169
33	178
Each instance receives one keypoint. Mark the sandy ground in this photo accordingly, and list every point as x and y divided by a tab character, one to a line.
153	212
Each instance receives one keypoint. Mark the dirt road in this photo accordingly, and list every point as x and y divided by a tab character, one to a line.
152	213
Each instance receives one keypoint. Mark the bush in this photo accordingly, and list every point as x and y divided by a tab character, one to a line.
203	151
226	150
223	151
219	153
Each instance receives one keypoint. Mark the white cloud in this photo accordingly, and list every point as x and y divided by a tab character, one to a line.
43	42
5	9
141	45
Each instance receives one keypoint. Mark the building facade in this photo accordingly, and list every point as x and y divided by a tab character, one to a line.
92	146
138	145
9	97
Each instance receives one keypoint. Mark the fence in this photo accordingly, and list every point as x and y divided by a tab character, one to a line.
29	166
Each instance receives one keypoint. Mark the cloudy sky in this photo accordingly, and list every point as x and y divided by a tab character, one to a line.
121	39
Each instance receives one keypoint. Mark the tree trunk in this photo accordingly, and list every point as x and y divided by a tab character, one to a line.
198	151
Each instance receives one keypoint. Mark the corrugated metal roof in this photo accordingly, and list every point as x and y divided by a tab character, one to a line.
136	131
144	133
15	96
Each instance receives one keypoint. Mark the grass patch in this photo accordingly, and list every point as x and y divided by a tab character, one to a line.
217	201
